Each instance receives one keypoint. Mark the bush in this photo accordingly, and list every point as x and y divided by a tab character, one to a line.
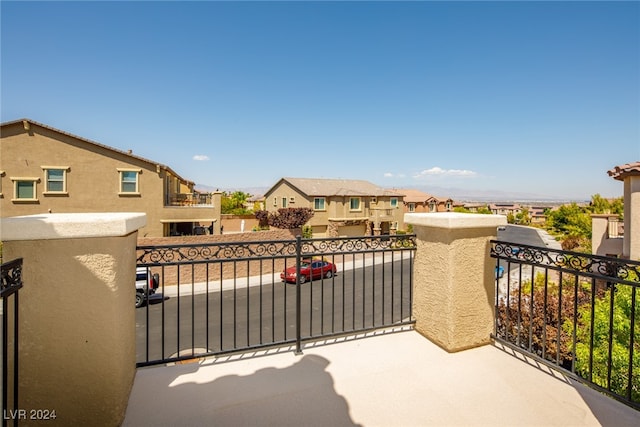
285	218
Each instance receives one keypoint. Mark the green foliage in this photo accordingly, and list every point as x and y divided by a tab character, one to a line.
285	218
526	309
307	232
600	205
621	334
484	210
461	209
235	203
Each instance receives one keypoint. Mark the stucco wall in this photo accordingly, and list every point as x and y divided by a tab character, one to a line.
454	280
92	179
77	319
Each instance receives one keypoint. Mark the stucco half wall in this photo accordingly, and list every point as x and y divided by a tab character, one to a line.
76	313
454	277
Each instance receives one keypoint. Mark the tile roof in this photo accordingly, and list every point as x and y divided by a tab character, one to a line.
415	196
623	171
338	187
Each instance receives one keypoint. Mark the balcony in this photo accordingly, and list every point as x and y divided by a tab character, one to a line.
386	378
397	375
190	199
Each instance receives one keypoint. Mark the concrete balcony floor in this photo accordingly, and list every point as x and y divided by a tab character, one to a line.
382	379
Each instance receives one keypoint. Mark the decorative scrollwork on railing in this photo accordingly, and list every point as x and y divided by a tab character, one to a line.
166	254
170	254
594	265
359	244
11	277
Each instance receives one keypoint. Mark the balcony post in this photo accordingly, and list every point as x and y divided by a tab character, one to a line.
77	313
454	277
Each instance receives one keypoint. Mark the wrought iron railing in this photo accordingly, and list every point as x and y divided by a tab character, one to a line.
10	284
574	311
226	297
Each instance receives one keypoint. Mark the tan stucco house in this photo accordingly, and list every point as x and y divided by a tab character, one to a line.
418	201
47	170
342	207
609	235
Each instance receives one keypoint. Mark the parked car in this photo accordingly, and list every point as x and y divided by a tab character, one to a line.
145	281
309	270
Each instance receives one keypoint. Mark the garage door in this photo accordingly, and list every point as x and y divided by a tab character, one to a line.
351	230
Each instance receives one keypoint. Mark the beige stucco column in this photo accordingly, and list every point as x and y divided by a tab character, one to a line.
631	248
76	313
454	277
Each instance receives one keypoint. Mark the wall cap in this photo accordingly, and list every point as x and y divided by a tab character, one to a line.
70	225
454	220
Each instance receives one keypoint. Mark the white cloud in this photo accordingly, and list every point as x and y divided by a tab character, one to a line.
200	157
436	171
394	175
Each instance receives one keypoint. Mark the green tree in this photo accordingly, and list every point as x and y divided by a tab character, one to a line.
621	334
235	203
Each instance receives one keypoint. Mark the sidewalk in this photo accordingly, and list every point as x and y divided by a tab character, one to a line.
228	284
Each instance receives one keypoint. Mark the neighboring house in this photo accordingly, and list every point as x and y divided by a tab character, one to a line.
341	207
43	169
418	201
609	236
505	208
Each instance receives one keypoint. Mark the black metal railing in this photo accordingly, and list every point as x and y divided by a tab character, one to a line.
227	297
10	284
577	312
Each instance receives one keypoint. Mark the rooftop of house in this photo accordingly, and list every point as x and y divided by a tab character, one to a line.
337	187
381	379
623	171
27	123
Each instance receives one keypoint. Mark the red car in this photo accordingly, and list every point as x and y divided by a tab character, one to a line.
309	270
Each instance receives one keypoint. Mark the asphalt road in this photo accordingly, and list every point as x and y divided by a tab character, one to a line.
260	315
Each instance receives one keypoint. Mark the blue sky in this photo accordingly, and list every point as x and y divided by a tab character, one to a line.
536	98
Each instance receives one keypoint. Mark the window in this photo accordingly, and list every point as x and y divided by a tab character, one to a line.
354	204
55	179
129	183
1	175
24	189
448	206
284	202
318	204
394	202
432	207
275	201
412	207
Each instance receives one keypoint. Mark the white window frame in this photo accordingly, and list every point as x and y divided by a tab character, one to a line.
33	180
275	200
316	202
394	202
351	200
121	172
433	207
285	202
46	170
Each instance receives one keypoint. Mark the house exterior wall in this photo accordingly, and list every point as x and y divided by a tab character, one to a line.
631	248
337	217
92	179
601	243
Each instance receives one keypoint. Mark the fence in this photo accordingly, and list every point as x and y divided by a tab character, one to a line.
577	312
10	284
218	298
